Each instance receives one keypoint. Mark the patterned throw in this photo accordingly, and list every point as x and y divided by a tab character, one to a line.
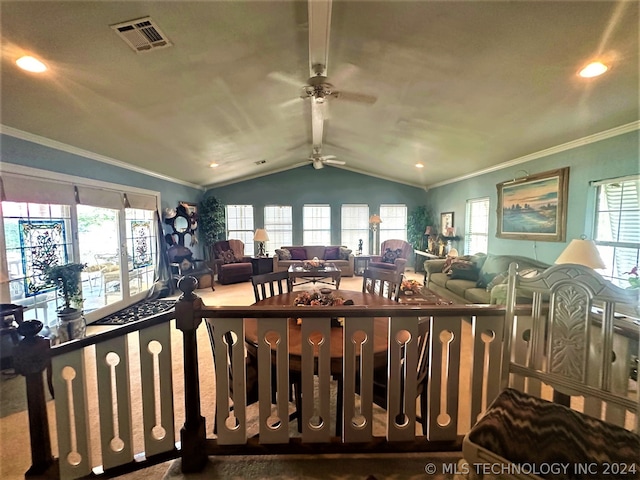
527	430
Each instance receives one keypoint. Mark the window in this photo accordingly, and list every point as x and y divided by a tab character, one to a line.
36	236
355	227
52	222
476	237
316	225
617	227
394	222
278	222
240	225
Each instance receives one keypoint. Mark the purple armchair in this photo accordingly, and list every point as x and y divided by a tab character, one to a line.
231	265
394	254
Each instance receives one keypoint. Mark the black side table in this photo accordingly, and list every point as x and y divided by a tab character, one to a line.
262	265
361	262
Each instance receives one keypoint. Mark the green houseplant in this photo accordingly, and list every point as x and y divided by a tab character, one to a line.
67	280
211	222
418	220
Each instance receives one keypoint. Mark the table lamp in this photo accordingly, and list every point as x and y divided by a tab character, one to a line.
581	252
261	236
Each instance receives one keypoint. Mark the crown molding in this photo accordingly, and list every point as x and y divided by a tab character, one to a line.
596	137
47	142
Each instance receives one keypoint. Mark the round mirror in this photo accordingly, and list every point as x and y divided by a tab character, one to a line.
180	224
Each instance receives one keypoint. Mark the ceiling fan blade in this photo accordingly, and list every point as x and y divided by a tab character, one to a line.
334	162
344	72
354	97
328	157
283	77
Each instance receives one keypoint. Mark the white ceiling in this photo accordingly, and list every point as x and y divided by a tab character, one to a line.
460	86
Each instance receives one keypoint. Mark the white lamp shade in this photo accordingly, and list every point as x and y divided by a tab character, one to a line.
260	235
582	252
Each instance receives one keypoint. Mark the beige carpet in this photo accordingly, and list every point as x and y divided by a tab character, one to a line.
15	452
407	466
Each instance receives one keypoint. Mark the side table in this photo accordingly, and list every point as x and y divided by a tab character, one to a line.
262	265
361	262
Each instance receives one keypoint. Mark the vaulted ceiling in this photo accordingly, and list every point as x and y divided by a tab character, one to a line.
458	86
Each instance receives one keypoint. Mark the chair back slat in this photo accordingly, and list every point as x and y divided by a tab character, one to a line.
269	284
385	283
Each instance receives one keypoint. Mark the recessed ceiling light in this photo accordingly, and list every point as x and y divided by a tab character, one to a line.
31	64
593	70
419	165
214	165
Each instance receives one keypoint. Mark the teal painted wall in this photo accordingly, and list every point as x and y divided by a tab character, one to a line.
29	154
614	157
305	185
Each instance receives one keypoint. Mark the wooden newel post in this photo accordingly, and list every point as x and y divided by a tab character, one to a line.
193	433
31	357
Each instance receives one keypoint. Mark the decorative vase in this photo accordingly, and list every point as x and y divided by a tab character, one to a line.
71	325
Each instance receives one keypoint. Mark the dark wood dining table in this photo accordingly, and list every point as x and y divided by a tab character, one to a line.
380	329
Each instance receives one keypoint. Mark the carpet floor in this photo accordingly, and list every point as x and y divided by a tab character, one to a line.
407	466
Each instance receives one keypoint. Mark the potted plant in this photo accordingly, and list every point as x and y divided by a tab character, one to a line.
66	278
211	224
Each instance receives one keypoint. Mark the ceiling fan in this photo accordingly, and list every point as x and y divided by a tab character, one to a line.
319	161
319	89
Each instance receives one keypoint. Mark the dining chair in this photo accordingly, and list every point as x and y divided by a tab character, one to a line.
269	284
264	286
385	283
251	365
574	344
380	376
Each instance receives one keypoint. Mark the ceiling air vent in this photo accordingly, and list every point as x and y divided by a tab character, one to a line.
142	35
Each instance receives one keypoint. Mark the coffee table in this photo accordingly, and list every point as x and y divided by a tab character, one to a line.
327	274
424	297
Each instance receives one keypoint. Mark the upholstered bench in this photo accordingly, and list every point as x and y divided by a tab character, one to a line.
526	430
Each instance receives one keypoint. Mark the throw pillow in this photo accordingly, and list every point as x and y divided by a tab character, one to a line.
220	247
463	270
390	256
497	280
344	253
298	253
283	254
332	253
446	268
185	265
484	279
228	257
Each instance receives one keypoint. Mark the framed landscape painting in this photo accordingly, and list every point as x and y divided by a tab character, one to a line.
534	207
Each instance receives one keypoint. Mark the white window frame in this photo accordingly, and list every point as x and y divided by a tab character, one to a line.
240	225
617	226
278	222
88	191
316	224
394	222
476	236
355	226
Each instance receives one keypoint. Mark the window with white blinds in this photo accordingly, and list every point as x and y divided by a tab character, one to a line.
394	222
316	224
278	222
476	236
617	227
355	226
240	225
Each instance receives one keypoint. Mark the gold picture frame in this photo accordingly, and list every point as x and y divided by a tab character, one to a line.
534	207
